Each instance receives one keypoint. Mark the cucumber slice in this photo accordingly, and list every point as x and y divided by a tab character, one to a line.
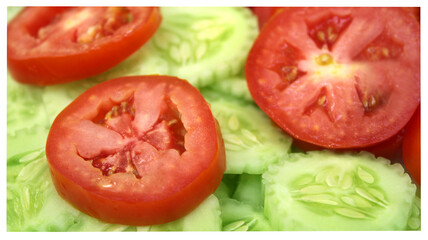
250	190
204	45
206	217
414	222
331	191
251	139
27	121
233	86
33	203
239	216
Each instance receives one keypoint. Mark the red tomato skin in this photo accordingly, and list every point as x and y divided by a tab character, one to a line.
264	98
49	70
123	207
412	147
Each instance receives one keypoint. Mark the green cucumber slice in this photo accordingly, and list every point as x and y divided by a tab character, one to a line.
204	45
33	203
414	222
250	190
239	216
234	86
27	121
251	139
331	191
206	217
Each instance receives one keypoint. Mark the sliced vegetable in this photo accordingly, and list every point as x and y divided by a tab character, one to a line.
325	81
34	205
123	159
331	191
414	222
252	143
27	122
233	86
204	45
206	217
51	45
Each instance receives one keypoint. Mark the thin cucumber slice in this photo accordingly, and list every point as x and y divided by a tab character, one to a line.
26	140
250	190
206	217
233	86
204	45
252	140
414	222
27	120
33	203
330	191
239	216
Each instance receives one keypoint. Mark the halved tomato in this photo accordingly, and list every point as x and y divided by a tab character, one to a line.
412	146
50	45
337	77
136	150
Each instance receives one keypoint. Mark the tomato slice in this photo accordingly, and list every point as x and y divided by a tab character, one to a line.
51	45
337	77
412	146
264	14
138	150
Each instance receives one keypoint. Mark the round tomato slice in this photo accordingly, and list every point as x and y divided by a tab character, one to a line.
51	45
412	146
136	150
337	77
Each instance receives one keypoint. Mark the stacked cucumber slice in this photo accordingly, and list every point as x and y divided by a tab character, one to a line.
265	187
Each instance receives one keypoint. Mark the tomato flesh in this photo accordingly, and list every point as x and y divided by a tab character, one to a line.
337	77
51	45
136	150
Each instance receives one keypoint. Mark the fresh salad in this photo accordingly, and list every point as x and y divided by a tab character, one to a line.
213	119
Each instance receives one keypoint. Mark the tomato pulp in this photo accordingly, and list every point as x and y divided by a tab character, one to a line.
51	45
136	150
337	77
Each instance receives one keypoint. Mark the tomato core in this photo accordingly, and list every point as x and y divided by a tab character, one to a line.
167	133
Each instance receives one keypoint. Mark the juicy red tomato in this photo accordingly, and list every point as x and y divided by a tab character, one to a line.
337	77
264	14
136	150
50	45
412	147
414	11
